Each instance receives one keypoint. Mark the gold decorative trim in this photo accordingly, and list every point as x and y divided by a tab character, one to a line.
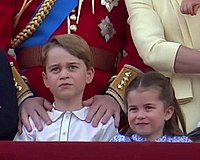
118	86
22	89
33	24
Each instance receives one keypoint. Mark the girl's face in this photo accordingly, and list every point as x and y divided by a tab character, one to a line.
66	75
146	113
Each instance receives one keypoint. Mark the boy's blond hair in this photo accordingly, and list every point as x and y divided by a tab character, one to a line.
72	43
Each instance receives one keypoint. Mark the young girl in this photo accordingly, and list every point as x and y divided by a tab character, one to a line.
153	111
190	7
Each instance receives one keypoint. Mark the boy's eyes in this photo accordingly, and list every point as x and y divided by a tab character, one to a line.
72	67
69	68
54	69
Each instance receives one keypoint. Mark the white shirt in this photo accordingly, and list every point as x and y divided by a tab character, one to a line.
69	126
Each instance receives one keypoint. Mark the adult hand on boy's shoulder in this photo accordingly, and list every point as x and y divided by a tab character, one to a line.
102	108
35	107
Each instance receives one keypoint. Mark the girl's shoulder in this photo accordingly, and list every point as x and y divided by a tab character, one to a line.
177	138
120	138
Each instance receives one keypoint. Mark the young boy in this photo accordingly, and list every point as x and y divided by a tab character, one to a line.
67	61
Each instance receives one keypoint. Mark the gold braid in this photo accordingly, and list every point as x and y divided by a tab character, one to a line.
33	24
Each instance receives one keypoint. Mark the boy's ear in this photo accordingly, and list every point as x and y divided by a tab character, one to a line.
44	76
90	75
169	112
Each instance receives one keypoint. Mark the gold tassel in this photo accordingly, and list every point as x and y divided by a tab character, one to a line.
79	10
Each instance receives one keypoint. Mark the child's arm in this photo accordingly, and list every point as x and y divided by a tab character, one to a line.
190	7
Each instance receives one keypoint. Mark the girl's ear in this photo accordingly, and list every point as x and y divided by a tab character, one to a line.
44	76
90	75
168	112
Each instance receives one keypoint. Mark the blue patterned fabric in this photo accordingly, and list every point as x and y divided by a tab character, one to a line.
138	138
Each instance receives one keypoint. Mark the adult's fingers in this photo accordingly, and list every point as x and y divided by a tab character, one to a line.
88	102
42	115
117	119
100	113
196	7
24	119
47	105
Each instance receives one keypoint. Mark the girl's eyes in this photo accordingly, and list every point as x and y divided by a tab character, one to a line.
149	108
132	109
146	108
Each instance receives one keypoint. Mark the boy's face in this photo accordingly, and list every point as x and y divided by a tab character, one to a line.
147	114
66	75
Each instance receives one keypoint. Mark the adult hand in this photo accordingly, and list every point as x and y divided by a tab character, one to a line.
102	108
35	107
190	7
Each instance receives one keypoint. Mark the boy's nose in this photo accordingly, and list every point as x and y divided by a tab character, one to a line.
64	74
